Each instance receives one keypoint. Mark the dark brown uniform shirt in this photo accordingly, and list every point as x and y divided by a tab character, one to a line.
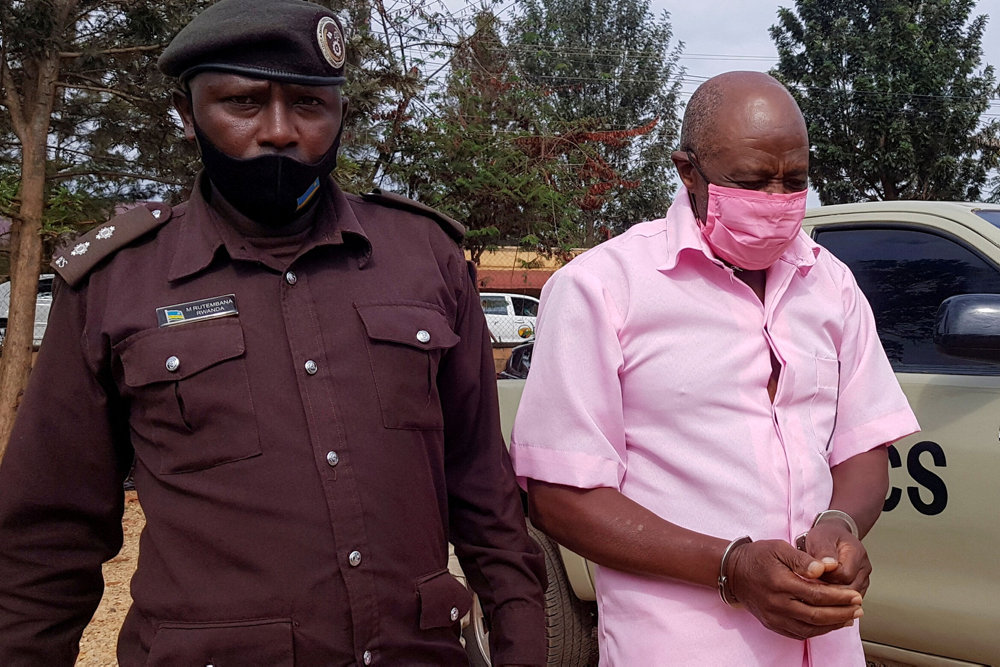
302	462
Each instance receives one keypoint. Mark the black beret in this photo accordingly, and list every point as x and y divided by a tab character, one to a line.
284	40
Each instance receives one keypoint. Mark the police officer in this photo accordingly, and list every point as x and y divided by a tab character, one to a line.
305	381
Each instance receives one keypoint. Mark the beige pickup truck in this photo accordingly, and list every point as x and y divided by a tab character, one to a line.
931	272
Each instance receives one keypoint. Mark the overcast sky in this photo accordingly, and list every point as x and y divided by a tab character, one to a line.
725	35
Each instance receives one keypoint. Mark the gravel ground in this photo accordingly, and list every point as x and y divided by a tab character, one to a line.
97	647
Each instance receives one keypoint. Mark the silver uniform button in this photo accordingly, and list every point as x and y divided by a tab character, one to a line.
454	613
354	558
367	657
424	336
332	459
311	367
173	363
291	278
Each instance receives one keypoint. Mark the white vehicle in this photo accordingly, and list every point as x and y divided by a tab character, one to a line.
510	317
43	304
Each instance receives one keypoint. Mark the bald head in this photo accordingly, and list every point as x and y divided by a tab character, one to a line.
718	100
742	130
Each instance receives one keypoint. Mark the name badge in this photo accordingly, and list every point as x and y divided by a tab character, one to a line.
194	311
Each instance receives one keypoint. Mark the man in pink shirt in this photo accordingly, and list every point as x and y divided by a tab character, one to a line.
711	376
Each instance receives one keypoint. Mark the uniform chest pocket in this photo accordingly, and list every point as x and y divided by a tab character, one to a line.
189	394
823	406
405	345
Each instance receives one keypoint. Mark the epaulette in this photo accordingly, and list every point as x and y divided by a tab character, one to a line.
455	229
74	260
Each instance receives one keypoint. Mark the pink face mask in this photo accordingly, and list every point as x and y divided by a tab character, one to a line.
751	229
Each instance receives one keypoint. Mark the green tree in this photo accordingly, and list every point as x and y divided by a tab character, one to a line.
395	56
482	156
85	118
893	94
608	64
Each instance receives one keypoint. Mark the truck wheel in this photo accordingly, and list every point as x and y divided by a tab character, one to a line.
570	623
476	637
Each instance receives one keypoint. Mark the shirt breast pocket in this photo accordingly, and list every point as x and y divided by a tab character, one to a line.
406	342
823	407
189	395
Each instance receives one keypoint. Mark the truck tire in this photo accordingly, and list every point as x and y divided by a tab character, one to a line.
570	623
476	637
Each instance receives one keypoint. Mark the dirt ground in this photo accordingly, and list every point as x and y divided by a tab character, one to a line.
97	648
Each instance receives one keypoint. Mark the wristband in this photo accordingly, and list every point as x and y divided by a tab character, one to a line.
837	514
723	579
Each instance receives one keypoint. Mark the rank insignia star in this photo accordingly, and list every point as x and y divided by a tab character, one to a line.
106	233
81	248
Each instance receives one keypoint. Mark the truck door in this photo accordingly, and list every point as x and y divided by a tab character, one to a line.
941	520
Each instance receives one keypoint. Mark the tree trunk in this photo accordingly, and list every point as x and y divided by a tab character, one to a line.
30	114
15	364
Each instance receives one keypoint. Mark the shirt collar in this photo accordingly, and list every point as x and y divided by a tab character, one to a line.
684	236
204	229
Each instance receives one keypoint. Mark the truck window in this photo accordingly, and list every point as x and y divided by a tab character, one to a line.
906	273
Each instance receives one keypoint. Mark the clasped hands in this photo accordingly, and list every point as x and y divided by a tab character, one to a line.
802	594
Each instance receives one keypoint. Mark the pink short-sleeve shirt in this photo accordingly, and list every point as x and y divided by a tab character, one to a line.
649	375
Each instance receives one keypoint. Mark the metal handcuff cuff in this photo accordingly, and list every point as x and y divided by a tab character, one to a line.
800	543
723	578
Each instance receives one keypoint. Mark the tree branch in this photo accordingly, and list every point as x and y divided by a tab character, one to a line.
10	98
66	175
101	89
10	212
112	52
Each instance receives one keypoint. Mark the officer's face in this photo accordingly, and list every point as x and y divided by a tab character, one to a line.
246	118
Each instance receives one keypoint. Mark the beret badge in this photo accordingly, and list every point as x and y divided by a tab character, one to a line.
331	41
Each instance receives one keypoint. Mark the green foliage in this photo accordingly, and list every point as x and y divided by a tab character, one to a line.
893	94
394	54
479	156
112	134
68	211
607	67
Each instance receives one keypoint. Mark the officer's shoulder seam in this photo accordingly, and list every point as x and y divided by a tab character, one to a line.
75	259
454	228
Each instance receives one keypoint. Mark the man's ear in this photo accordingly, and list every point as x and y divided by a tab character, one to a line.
685	169
182	102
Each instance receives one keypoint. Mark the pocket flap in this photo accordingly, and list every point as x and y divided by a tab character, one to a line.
174	353
443	600
419	326
263	643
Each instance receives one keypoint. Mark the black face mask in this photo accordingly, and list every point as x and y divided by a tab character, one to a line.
271	190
